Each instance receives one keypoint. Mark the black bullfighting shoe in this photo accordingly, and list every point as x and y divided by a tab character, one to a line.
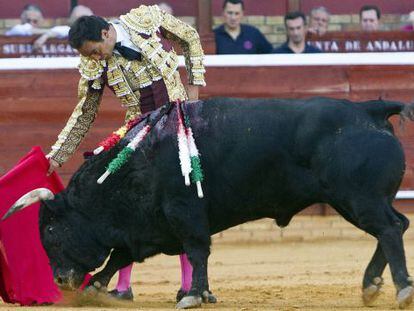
122	295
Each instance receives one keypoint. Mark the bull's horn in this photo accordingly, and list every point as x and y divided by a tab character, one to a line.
30	198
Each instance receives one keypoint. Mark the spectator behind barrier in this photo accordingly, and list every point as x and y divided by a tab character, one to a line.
369	16
318	21
235	38
166	7
410	26
30	20
62	31
295	24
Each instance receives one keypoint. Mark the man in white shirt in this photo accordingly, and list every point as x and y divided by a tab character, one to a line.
62	32
31	18
318	21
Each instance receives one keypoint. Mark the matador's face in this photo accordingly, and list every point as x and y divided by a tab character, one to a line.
100	50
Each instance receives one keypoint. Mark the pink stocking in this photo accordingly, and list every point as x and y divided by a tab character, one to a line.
186	273
124	278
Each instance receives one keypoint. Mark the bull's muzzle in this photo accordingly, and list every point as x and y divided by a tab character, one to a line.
34	196
68	280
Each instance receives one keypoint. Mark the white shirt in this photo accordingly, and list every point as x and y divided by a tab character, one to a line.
123	37
20	30
61	31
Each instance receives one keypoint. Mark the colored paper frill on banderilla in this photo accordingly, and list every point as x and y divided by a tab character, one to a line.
25	275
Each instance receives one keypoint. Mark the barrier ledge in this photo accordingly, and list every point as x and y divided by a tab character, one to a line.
405	194
258	60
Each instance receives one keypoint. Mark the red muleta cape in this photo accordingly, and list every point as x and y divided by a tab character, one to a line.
25	275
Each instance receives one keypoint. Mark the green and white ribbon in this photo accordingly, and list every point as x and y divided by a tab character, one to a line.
183	150
125	154
196	172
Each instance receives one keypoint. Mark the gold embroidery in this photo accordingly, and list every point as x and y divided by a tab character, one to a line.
127	77
189	41
176	30
78	124
97	84
163	64
145	19
132	112
91	69
118	81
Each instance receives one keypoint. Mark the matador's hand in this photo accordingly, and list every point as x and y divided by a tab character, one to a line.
52	166
192	92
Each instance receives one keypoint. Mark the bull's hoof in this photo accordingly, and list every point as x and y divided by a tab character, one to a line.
90	290
371	293
180	294
93	290
208	297
189	302
405	297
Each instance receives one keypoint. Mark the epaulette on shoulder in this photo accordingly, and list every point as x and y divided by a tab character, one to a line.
145	19
91	69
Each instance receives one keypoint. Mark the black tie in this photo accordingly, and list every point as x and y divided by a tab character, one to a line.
128	53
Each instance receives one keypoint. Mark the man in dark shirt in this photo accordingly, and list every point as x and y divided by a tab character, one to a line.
235	38
295	23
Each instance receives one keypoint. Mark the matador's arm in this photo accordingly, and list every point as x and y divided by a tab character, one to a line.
189	40
79	122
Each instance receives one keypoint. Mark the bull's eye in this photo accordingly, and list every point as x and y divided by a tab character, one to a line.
50	229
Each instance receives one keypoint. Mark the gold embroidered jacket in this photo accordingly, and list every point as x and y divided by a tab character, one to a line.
125	77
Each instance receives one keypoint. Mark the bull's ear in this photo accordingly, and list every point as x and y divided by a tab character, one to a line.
48	206
56	207
49	212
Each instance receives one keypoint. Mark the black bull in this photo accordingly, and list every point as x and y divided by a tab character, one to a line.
261	158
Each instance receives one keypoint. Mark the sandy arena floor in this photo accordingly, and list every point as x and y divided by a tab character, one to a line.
313	275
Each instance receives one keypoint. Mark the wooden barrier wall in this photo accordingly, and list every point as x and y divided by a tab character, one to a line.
332	42
35	104
354	41
13	47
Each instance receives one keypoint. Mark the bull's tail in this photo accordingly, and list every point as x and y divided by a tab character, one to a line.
407	112
383	110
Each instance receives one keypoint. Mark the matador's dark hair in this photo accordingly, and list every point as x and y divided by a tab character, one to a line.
87	28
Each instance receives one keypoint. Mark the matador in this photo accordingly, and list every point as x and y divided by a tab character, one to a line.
132	58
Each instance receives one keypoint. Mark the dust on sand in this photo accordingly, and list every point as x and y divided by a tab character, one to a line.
307	275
